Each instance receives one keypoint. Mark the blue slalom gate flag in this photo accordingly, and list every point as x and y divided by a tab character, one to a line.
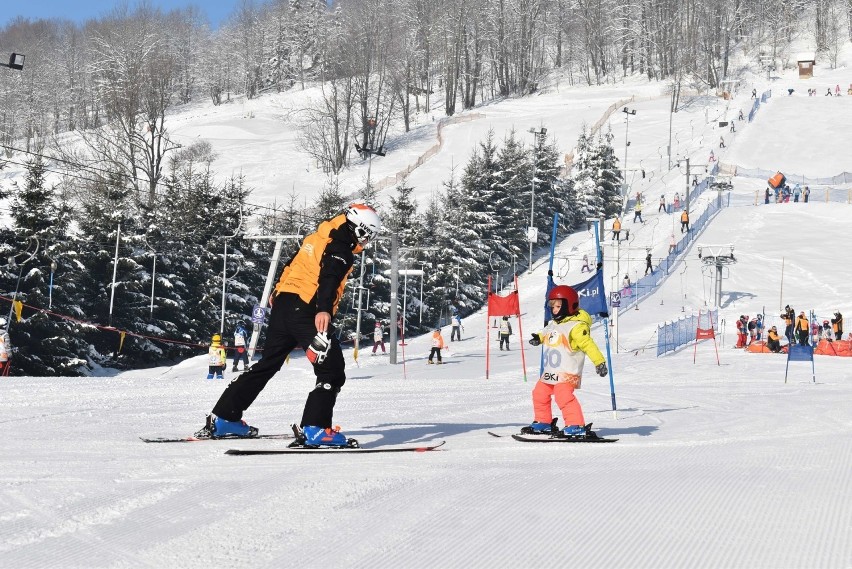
800	353
592	297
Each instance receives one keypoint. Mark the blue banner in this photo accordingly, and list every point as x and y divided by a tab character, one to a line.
592	294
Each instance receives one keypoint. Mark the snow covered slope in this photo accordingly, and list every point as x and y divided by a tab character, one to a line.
717	465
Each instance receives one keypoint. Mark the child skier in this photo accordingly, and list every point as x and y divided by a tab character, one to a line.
742	330
241	346
505	332
752	330
216	358
437	345
567	340
379	338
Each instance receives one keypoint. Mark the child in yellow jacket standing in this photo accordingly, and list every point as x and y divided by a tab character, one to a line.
216	358
567	341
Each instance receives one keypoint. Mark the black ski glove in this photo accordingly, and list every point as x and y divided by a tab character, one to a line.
535	340
601	369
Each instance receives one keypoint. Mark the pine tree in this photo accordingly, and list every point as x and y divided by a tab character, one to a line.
511	195
41	248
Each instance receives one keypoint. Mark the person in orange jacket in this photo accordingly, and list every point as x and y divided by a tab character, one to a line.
684	221
803	329
437	346
304	303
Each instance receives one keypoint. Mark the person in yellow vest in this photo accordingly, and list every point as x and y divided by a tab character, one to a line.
437	345
789	316
216	358
773	340
803	328
616	229
684	221
837	325
304	302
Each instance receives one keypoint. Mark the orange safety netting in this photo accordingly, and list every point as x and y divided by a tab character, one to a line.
759	347
836	348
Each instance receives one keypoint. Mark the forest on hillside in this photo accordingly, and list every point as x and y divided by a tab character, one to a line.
125	251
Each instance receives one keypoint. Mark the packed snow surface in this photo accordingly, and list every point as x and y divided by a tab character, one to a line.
717	465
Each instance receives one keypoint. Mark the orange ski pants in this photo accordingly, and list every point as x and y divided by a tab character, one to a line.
542	394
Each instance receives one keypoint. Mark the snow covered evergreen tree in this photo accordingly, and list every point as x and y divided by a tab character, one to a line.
41	248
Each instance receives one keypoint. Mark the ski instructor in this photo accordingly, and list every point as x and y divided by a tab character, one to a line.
303	304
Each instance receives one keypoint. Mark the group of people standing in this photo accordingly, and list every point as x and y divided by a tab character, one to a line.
800	329
783	193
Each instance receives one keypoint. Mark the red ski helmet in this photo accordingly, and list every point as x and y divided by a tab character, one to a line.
571	301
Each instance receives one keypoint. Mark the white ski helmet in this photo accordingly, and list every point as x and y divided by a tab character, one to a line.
364	221
3	322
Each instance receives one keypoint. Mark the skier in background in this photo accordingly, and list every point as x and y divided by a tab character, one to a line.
5	347
567	334
304	302
827	333
379	338
758	328
742	331
837	325
456	328
789	316
505	332
216	358
240	346
437	346
773	340
803	329
752	331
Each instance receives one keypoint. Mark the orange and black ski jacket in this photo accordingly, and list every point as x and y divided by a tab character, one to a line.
319	270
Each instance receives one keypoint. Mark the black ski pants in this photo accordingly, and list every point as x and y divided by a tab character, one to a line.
291	324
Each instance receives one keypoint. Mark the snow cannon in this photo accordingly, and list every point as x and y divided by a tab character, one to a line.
777	181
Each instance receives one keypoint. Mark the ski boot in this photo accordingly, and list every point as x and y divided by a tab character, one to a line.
209	376
574	431
536	428
577	432
311	436
216	427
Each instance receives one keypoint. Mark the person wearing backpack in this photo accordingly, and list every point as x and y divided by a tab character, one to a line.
241	346
752	331
505	332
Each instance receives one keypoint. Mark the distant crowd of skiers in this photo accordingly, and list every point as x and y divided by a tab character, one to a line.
797	329
783	193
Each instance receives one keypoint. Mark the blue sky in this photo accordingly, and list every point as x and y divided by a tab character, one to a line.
216	10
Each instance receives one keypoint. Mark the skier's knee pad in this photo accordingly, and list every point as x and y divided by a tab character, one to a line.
326	386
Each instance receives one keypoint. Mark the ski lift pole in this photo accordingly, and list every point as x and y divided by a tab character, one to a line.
605	323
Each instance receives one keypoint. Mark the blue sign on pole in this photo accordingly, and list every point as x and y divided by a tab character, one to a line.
258	314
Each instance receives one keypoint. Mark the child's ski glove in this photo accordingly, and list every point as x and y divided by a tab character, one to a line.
535	340
601	369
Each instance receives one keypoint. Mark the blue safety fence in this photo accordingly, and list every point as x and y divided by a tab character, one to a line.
756	105
649	283
672	335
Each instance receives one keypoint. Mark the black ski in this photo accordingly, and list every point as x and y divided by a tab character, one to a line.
193	439
335	450
580	439
556	436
